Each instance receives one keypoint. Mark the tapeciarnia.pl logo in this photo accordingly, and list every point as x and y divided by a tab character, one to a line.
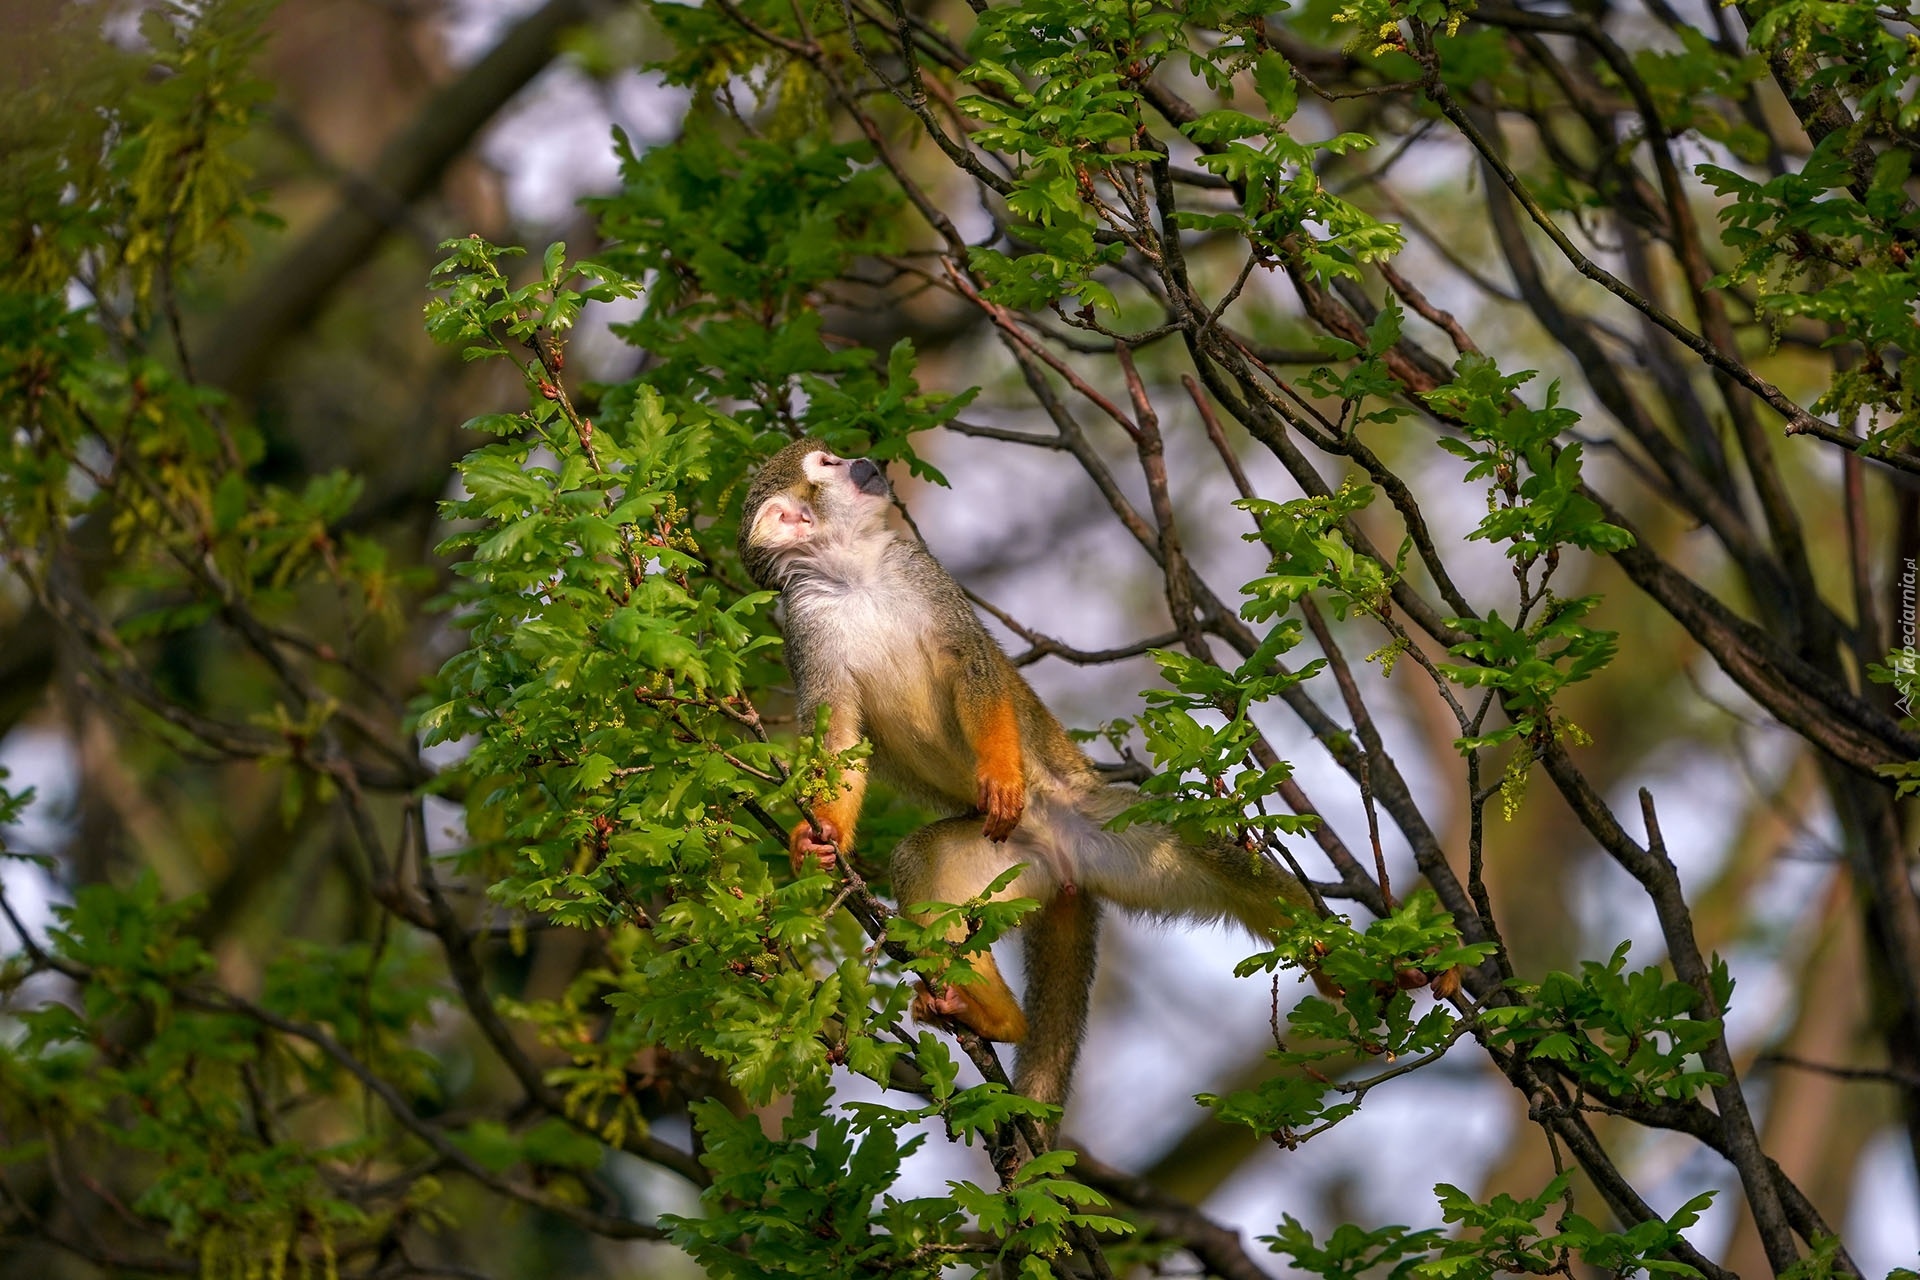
1906	661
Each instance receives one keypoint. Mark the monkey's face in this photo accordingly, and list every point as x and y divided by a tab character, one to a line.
807	499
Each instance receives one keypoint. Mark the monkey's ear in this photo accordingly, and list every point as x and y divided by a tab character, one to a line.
783	521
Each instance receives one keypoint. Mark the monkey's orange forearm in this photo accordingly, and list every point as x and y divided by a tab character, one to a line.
999	770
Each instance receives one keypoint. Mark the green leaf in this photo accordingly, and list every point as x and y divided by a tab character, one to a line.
1273	77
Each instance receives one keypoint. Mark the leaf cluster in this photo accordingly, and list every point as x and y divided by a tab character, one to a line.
1620	1034
1500	1237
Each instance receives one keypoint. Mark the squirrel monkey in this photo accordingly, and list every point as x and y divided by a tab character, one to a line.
879	634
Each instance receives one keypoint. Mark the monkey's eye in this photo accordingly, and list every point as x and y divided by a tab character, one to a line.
828	460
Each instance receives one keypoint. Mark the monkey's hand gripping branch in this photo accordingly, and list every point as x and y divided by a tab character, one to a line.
817	840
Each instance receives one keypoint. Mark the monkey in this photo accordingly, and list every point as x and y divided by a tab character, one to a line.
878	633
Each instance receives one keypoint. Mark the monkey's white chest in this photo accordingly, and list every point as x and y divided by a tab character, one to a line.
876	637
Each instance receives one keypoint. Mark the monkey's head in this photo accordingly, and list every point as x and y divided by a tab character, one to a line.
804	500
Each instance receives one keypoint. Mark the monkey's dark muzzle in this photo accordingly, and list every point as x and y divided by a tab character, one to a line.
867	478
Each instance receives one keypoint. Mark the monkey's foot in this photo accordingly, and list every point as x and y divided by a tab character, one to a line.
948	1005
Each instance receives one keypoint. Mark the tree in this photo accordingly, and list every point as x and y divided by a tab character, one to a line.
1168	242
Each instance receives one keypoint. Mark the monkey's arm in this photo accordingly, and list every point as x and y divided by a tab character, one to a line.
836	815
990	718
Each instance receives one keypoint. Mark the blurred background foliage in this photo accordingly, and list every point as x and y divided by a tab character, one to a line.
218	224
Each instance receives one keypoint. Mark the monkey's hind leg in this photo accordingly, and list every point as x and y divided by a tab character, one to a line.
950	861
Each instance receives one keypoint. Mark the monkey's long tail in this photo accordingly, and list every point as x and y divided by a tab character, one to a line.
1161	870
1060	943
1149	868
